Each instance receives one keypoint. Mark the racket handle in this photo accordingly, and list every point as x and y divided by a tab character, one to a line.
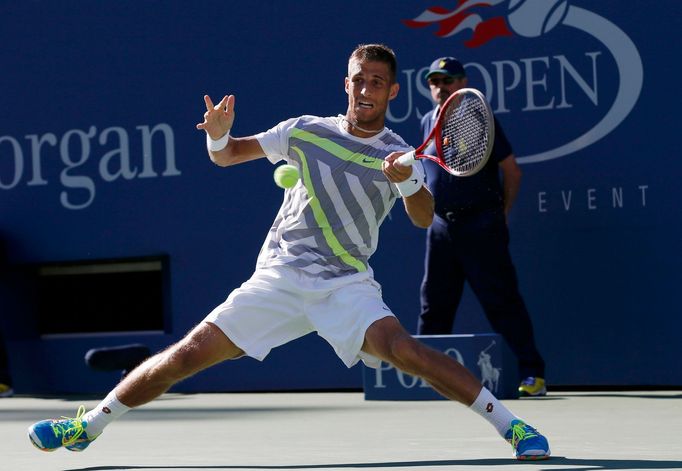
407	158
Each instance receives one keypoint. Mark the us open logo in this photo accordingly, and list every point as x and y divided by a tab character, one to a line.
478	22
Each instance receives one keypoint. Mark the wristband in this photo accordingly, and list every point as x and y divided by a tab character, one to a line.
412	185
220	144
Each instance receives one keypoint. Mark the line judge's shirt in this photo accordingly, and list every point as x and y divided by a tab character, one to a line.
328	224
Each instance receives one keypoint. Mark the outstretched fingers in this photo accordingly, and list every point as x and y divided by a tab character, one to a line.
209	103
219	107
222	106
209	108
218	118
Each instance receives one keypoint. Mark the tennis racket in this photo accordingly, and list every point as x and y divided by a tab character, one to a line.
463	135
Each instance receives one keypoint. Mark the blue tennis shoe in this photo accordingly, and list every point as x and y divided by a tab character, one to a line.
528	443
48	435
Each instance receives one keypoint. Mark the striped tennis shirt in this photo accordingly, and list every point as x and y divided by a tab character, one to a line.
328	224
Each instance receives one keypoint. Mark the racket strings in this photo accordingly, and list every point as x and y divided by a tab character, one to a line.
464	135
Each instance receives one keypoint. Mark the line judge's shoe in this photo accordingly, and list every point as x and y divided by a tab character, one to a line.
532	386
48	435
6	390
528	443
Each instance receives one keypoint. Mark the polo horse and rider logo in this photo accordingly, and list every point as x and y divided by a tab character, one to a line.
490	376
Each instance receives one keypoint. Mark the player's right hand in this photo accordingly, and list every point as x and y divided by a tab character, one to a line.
394	171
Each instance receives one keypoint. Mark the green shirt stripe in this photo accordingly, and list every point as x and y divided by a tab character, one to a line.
337	150
321	217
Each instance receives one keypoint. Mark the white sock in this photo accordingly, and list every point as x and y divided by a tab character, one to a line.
492	410
106	412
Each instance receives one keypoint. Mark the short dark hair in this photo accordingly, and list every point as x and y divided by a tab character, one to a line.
377	53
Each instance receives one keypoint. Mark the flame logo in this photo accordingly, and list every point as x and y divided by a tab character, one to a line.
467	15
533	19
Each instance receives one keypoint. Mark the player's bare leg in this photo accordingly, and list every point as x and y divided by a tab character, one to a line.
204	346
388	340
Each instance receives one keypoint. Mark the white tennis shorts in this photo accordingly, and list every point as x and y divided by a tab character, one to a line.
277	305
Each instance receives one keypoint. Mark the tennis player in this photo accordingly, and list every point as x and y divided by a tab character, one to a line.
312	273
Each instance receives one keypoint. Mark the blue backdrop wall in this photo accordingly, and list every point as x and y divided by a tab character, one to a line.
100	159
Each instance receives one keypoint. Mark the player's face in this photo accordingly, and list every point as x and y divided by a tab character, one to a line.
442	86
369	88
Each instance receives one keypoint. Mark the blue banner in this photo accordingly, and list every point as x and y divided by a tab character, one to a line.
100	160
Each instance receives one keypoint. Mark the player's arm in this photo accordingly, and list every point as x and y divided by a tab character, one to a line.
511	181
224	149
418	205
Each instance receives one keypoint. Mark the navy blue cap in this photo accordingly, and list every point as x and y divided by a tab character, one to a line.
447	66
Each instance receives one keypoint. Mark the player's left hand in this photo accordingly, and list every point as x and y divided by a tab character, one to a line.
218	118
395	173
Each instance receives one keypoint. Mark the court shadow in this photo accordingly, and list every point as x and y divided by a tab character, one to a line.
567	464
175	414
643	395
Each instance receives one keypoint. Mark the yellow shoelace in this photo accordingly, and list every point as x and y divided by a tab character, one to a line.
519	432
69	429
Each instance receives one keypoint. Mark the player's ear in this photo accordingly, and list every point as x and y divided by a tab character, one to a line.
395	88
346	83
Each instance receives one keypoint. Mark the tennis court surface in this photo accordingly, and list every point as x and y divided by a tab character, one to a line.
342	431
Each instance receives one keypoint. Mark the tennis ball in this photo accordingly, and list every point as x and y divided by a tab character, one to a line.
462	146
286	176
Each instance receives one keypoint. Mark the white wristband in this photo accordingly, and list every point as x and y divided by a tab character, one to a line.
220	144
412	185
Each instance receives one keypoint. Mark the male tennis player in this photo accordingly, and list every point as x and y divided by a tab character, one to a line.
312	272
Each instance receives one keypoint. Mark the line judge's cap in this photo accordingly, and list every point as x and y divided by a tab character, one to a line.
447	66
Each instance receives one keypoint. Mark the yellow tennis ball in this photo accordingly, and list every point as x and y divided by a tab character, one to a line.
462	146
286	176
